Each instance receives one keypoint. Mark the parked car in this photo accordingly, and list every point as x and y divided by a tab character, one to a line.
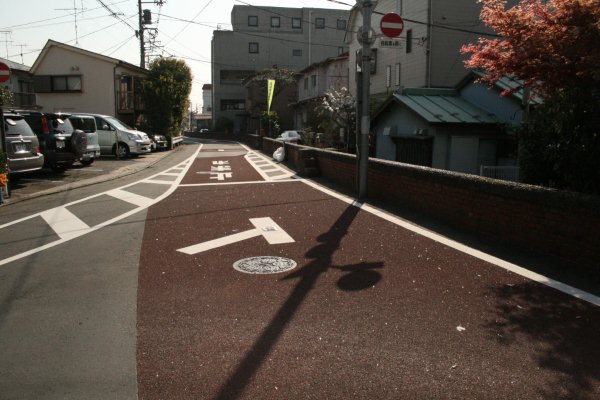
290	137
158	142
87	124
60	146
22	145
203	130
116	137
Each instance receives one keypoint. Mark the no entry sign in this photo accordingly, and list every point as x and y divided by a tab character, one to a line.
4	72
391	25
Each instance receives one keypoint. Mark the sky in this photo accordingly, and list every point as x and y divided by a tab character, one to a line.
183	28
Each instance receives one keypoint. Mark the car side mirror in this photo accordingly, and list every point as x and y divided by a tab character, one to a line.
105	128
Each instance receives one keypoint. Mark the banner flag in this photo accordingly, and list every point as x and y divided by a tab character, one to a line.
270	90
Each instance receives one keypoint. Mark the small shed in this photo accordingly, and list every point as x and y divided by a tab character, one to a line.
437	128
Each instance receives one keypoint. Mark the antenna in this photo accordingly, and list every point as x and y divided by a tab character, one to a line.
74	9
21	46
6	40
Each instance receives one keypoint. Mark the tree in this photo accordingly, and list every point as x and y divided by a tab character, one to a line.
340	108
549	45
166	95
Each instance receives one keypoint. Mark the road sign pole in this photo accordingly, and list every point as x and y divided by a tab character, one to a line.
365	123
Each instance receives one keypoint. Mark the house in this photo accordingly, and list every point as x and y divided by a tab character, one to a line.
438	128
427	52
267	37
71	79
21	86
314	81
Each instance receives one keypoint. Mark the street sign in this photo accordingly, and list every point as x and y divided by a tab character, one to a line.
4	72
391	25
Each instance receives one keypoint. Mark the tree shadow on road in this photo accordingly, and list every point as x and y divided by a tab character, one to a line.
322	257
562	333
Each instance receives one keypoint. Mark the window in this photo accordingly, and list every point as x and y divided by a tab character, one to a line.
233	105
57	83
275	22
320	23
313	80
296	23
409	41
388	76
234	76
306	83
253	47
397	80
341	24
252	20
340	50
297	52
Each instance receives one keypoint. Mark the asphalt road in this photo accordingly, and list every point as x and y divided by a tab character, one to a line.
220	275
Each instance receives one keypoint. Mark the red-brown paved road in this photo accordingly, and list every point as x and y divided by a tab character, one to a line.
372	311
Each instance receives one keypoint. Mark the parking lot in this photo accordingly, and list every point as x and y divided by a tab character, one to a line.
46	181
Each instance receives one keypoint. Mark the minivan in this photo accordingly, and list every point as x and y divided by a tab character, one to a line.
112	131
22	146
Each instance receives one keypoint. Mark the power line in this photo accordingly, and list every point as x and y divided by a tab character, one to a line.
188	24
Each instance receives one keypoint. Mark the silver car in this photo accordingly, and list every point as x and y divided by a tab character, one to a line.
87	124
22	145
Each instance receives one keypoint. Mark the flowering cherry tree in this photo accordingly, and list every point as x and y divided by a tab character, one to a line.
340	107
549	45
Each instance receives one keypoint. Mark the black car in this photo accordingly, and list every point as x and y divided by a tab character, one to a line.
60	143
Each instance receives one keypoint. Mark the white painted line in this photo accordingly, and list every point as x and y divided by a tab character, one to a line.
173	186
237	183
136	199
271	231
66	224
570	290
213	244
265	227
171	173
157	182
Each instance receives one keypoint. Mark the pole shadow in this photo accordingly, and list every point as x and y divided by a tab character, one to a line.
322	256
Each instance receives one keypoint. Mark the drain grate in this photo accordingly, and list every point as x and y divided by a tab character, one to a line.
264	265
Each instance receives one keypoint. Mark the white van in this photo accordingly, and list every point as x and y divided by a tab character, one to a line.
112	131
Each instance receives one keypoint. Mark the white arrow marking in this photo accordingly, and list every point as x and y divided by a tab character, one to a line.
265	227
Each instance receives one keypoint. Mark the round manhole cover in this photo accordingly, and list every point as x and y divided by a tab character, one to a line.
264	265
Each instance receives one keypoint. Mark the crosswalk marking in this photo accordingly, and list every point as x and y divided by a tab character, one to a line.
132	198
66	224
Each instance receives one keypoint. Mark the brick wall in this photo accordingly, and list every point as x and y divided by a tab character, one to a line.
562	224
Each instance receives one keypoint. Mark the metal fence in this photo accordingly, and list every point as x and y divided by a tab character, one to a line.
505	173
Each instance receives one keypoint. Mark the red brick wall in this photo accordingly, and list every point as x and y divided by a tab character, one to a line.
562	224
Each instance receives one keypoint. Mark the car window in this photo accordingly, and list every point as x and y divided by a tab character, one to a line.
83	123
117	123
17	126
100	122
61	126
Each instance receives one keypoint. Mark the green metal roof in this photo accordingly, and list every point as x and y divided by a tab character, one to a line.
443	106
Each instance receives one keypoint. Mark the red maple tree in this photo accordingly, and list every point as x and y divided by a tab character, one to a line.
549	45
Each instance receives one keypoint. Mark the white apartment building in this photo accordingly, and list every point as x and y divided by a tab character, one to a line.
427	53
264	37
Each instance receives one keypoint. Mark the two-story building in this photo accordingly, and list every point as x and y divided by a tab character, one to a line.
265	37
72	79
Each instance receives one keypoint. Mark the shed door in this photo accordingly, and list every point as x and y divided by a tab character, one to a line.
464	152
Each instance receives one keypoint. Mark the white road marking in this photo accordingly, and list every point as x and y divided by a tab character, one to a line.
136	199
265	227
64	223
68	228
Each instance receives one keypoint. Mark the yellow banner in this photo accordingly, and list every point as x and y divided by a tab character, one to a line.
270	90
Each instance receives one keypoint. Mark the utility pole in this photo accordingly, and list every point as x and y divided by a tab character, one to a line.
141	36
365	37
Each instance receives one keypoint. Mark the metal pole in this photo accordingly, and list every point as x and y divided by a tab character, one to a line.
365	123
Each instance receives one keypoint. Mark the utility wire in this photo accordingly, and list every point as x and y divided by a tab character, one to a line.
188	24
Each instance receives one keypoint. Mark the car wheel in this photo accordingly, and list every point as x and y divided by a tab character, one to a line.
121	151
87	162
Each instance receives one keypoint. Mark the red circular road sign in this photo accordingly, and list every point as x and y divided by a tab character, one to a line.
4	72
391	25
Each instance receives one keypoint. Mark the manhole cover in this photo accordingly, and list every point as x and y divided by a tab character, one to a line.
264	265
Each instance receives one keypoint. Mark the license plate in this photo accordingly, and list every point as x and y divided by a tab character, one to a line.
20	147
60	144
